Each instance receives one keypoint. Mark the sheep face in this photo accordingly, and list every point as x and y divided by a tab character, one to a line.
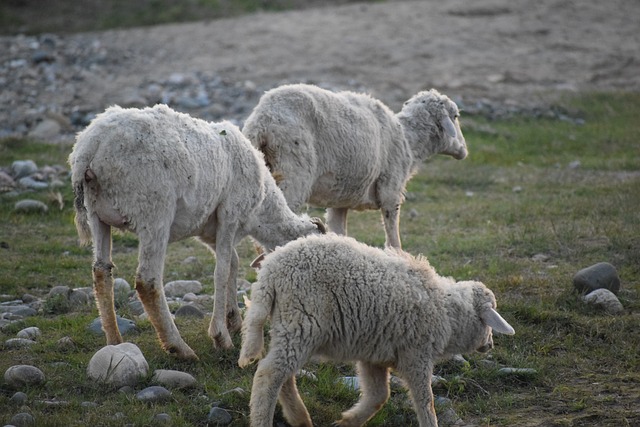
439	116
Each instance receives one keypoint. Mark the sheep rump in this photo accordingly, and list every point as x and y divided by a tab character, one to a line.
346	150
333	297
166	176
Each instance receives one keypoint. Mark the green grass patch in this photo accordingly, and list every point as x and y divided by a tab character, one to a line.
536	201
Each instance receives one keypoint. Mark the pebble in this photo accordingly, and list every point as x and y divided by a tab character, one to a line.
153	394
14	343
19	398
32	333
189	311
174	379
118	365
179	288
521	372
602	275
124	325
18	376
219	416
23	419
605	300
30	206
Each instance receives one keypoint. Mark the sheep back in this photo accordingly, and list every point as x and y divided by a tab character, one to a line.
331	145
156	163
355	302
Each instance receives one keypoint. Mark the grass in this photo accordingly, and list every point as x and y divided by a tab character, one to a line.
483	218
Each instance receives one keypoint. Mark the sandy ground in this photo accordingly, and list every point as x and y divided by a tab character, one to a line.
515	51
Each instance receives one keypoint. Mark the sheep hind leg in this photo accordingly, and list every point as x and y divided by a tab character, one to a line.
234	319
337	220
374	385
419	383
293	408
151	294
103	280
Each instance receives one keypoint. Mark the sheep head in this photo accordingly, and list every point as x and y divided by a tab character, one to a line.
432	114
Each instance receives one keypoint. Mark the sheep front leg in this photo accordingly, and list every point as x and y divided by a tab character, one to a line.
418	380
374	386
234	319
103	280
337	220
391	218
293	407
151	294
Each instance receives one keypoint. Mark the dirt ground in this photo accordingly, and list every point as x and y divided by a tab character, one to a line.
515	51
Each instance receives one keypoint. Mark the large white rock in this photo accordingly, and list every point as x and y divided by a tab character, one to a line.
605	300
118	365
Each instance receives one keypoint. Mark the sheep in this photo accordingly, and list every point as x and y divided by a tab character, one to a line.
346	150
166	176
333	297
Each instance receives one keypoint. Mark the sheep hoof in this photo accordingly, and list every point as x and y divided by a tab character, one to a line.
183	353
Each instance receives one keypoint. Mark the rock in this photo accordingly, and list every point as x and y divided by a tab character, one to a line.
153	394
66	344
22	168
520	372
46	130
14	343
23	419
118	365
29	182
62	290
218	417
124	325
32	333
174	379
20	311
135	307
161	420
18	376
19	398
598	276
121	286
189	311
178	288
79	298
30	206
351	382
605	300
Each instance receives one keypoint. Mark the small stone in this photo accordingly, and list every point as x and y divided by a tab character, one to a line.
23	375
605	300
34	184
31	333
540	258
178	288
46	130
121	286
79	298
22	168
153	394
23	419
14	343
161	419
189	311
135	307
30	206
124	325
66	344
218	417
118	365
174	379
522	372
65	291
19	398
598	276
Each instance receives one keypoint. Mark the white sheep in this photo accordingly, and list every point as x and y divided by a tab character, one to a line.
333	297
166	176
346	150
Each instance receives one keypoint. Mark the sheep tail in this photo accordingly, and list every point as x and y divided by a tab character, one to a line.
81	219
252	349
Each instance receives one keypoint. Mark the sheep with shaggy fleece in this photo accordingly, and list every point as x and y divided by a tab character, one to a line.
332	297
166	176
346	150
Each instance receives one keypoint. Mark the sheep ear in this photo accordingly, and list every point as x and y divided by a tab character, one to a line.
448	126
257	263
493	319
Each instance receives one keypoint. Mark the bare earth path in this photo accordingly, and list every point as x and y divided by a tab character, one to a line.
519	51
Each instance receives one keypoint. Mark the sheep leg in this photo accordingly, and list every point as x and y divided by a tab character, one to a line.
218	331
280	364
419	383
103	279
391	218
151	294
337	220
293	408
234	319
374	386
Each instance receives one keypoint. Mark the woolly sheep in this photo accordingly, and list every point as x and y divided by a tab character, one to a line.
166	176
346	150
332	297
